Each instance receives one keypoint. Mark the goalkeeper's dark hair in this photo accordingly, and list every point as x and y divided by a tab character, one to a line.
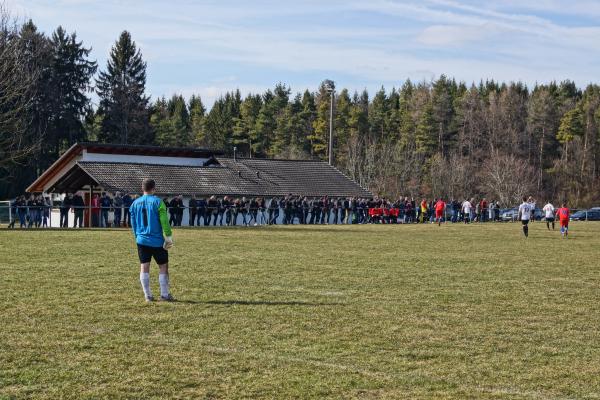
148	185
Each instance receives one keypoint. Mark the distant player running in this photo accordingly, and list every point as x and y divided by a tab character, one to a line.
549	213
525	212
149	222
440	207
564	214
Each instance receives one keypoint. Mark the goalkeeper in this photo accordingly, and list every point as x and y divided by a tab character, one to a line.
149	222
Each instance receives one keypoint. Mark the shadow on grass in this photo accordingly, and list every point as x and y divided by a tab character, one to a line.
258	303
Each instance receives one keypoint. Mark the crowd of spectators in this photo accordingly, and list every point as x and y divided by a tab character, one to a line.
112	210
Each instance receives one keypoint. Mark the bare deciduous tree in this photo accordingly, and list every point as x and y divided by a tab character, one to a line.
507	178
16	93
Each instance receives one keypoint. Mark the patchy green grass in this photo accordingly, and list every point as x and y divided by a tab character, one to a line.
337	312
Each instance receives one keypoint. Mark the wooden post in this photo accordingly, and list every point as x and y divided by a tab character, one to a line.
90	206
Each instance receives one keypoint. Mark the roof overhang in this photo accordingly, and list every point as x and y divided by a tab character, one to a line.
73	180
45	181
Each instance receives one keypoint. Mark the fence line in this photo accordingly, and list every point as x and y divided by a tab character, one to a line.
42	216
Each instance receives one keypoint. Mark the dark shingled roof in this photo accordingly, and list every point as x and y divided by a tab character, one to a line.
250	177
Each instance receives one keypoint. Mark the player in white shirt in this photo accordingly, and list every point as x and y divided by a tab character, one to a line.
549	213
466	209
525	214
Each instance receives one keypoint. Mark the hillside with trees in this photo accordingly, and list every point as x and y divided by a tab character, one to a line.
438	138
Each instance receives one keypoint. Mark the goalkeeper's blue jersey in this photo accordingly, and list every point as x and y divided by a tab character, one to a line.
149	221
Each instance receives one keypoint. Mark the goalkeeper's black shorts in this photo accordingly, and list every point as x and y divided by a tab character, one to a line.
146	253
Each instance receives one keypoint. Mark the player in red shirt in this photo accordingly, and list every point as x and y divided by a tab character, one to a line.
563	215
440	207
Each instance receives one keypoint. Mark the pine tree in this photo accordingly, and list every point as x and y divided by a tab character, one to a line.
245	125
197	115
442	110
405	117
571	126
181	134
283	121
159	122
71	75
342	125
378	114
319	140
217	124
307	118
262	135
426	133
121	88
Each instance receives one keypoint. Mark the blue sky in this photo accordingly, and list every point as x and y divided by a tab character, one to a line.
210	47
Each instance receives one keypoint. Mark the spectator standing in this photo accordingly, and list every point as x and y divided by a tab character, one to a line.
254	210
64	210
77	206
192	210
22	211
31	211
326	214
95	209
213	210
483	205
273	211
172	205
105	205
180	209
127	201
118	207
47	206
201	211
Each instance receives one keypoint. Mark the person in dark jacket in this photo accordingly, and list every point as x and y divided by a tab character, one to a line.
180	209
127	201
201	203
118	209
212	210
273	211
305	205
78	205
105	205
315	211
325	206
173	210
64	209
192	210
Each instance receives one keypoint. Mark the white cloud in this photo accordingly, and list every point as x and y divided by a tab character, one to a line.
454	35
365	42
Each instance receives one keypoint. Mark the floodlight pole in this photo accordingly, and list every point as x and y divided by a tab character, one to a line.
331	91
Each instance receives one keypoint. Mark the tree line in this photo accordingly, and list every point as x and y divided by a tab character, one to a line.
437	138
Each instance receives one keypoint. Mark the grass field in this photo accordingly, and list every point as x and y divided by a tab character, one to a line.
340	312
